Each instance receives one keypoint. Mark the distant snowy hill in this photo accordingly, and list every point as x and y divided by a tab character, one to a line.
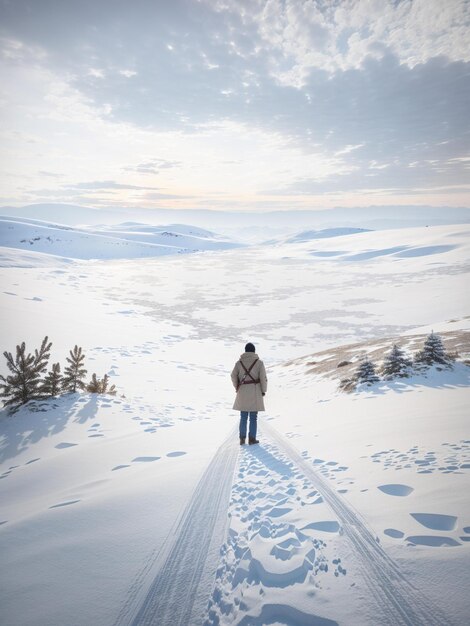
326	233
70	214
250	225
139	231
124	241
364	246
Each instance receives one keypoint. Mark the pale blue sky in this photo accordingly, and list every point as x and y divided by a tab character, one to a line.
235	104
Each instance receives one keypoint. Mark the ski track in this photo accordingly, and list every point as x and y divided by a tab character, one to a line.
398	602
186	564
180	589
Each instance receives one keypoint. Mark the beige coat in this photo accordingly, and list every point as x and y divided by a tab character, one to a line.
249	397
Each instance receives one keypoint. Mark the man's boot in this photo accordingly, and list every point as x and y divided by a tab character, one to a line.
242	440
252	440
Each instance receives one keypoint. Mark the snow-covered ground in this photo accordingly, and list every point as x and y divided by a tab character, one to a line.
143	509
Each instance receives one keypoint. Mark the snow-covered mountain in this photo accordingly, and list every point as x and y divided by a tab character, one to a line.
117	242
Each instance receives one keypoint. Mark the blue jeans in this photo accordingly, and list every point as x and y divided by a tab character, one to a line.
243	421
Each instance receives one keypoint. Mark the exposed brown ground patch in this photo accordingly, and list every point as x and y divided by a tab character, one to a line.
341	362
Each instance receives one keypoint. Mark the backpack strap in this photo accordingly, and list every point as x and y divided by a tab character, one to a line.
247	373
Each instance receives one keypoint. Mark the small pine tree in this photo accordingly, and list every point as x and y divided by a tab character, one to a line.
74	373
365	373
396	363
24	383
433	351
52	383
97	385
94	385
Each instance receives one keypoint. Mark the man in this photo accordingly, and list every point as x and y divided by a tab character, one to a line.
250	382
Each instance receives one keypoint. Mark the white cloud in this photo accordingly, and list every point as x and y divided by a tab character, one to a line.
96	73
303	96
128	73
306	34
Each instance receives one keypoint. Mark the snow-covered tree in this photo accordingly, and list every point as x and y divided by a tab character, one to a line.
433	351
396	363
24	382
365	373
97	385
74	373
52	383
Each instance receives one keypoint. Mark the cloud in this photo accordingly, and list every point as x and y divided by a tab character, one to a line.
165	196
396	177
105	185
377	89
302	35
49	174
153	166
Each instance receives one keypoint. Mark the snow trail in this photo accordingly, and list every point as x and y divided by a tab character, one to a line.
398	602
183	570
186	564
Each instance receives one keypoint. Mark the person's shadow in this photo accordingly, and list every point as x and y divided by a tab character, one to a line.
271	463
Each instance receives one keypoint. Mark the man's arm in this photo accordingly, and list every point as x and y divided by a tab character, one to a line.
234	376
263	379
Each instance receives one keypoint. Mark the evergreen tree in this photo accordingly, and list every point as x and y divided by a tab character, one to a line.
396	363
97	385
24	383
433	351
94	386
365	373
52	383
74	373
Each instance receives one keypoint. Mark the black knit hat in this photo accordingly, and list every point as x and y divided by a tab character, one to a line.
250	348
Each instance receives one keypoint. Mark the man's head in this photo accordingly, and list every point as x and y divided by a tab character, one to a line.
250	348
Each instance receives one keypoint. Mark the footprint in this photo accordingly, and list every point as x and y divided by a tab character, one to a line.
145	459
327	526
56	506
432	540
176	453
279	511
436	521
392	532
119	467
65	444
396	490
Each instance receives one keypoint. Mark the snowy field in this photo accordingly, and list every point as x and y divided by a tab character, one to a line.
143	509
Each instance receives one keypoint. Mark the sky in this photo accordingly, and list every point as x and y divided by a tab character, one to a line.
235	104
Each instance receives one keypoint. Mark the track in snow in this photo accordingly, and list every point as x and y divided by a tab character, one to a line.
179	592
398	602
185	567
